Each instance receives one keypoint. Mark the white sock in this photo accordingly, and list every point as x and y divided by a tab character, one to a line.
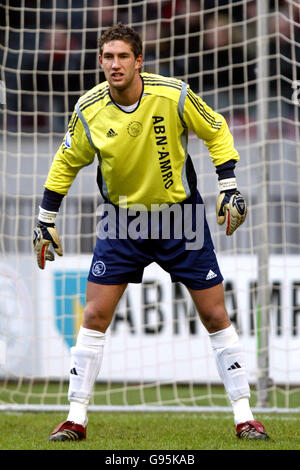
86	359
241	410
230	363
78	412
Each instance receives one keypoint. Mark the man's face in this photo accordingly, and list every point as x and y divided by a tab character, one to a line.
119	64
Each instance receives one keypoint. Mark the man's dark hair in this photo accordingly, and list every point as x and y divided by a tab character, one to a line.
124	33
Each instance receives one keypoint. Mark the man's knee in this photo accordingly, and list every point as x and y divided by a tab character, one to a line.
210	304
100	305
215	318
96	318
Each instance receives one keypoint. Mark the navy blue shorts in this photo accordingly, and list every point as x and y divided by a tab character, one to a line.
118	261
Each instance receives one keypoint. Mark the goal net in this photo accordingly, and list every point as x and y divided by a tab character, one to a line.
242	57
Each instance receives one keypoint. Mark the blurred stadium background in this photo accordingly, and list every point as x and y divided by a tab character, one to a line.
243	58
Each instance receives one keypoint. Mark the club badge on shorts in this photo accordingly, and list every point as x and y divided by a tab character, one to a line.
98	268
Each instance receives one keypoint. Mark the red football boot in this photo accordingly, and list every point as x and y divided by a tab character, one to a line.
68	431
251	430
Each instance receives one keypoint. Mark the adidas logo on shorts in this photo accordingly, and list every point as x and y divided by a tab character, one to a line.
210	275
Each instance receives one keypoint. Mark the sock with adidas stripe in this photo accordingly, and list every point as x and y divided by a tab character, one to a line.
229	356
86	359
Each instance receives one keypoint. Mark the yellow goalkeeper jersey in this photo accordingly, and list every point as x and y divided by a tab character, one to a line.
143	155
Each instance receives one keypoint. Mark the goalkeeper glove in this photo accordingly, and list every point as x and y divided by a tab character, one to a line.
45	236
231	205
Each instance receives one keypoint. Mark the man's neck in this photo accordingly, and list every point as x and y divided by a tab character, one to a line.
130	95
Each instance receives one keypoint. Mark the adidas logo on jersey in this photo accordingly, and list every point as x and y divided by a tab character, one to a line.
210	275
111	133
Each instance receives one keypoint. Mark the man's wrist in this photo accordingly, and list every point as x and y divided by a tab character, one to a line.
226	184
51	200
47	217
226	170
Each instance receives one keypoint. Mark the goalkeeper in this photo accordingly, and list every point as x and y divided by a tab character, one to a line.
137	125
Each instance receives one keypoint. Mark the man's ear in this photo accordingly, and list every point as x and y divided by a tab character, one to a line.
139	61
100	60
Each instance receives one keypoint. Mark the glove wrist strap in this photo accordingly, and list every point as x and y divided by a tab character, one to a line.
227	183
47	217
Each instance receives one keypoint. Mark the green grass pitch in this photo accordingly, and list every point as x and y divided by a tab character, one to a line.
143	430
147	431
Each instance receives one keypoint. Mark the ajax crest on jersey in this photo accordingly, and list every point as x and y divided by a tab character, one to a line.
134	128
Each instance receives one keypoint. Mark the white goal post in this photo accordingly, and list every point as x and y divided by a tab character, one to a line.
243	58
